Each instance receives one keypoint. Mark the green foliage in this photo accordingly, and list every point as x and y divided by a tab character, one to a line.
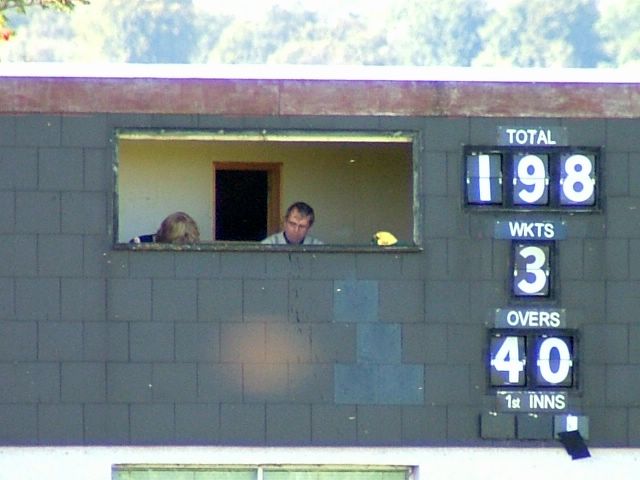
540	33
520	33
619	28
432	32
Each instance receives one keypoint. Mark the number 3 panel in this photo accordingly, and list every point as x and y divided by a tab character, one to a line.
532	269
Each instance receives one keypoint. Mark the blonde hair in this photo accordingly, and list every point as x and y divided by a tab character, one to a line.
178	228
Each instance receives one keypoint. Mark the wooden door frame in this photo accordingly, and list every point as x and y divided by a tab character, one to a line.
273	170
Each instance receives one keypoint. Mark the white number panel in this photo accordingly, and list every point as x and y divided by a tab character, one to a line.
544	179
531	360
532	269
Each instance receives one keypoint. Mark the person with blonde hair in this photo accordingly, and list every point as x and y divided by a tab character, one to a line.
178	228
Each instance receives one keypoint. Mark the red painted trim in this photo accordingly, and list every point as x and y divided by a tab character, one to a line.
273	97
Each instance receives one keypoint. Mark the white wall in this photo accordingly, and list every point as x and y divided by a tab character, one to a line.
94	463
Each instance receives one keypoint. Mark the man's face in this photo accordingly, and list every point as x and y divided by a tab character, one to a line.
296	227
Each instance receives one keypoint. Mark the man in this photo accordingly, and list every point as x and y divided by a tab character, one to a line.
297	223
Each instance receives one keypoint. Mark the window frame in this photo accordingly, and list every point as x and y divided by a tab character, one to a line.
253	134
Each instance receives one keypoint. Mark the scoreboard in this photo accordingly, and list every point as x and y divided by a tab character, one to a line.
530	179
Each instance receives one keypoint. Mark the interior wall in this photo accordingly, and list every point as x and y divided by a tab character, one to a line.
354	188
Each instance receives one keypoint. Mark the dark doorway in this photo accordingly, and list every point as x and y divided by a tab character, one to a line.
246	201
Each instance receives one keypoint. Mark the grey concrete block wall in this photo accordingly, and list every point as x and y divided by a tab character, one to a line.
100	346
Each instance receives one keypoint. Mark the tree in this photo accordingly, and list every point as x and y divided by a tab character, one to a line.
162	31
619	27
250	41
540	33
21	7
436	33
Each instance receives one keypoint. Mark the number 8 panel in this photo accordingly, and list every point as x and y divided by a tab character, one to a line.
532	179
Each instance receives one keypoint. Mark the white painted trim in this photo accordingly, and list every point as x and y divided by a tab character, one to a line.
95	463
323	72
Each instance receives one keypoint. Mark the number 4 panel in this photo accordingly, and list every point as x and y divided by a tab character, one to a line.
531	360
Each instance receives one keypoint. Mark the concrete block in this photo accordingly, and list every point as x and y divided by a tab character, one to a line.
333	342
378	343
60	169
106	341
152	424
242	424
85	131
620	135
20	256
447	385
498	426
152	264
174	300
129	299
38	212
129	382
220	300
106	424
610	338
38	130
197	342
310	383
37	298
19	424
442	136
202	265
355	301
378	266
400	385
402	301
242	342
289	265
355	384
7	299
60	341
424	343
18	341
174	382
329	266
84	213
265	300
197	423
83	299
220	382
446	301
532	426
265	383
310	301
28	382
423	425
623	385
8	213
7	130
242	265
379	425
333	424
151	341
97	169
60	424
60	255
288	424
84	382
288	343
